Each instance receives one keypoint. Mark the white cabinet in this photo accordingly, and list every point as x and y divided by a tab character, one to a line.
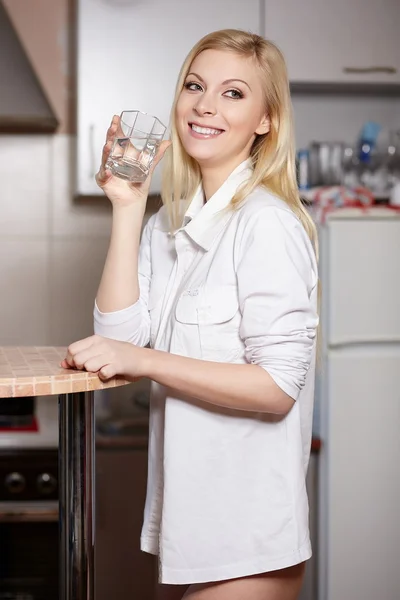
363	280
321	39
359	406
363	484
129	56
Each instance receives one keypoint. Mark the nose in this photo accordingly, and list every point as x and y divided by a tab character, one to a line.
205	105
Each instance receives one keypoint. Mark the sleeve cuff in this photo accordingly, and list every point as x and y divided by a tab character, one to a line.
117	317
290	390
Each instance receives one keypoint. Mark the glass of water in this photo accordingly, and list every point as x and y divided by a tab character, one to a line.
135	145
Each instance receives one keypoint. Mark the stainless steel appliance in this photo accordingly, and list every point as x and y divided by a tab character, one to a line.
15	412
29	530
29	524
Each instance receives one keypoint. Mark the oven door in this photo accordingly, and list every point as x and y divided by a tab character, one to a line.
29	550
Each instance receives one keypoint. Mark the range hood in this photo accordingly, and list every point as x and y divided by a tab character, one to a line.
24	107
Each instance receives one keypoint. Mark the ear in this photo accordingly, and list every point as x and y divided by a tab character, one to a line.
264	126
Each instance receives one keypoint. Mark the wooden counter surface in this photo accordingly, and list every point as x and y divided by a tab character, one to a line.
36	371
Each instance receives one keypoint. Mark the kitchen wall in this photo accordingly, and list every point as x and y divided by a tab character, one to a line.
52	246
340	118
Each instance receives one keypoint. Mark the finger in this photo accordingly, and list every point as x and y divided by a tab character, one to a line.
82	357
82	344
160	154
115	126
64	364
105	154
107	372
69	360
76	347
95	363
104	174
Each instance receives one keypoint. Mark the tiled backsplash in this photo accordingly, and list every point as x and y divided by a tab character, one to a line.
52	247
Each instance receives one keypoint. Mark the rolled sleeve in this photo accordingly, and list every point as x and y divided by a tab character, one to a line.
127	325
131	324
277	283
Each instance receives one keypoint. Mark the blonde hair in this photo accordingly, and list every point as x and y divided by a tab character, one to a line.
272	154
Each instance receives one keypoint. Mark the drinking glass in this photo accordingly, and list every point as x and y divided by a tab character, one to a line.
135	145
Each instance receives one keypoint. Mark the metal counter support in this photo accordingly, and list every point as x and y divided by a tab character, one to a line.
77	496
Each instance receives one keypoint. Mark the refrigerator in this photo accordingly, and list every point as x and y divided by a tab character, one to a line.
358	406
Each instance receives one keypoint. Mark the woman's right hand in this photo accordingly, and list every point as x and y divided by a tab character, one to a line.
119	191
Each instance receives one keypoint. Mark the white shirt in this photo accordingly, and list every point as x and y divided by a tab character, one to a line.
226	492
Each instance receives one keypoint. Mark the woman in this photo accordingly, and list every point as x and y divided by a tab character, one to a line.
224	287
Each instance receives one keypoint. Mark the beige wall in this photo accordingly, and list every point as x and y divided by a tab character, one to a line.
52	246
45	30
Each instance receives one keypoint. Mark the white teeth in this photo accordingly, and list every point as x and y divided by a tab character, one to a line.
205	130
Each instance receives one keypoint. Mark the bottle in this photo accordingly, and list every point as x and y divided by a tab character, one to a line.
303	169
367	140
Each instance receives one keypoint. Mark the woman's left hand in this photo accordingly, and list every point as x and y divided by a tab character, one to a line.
106	357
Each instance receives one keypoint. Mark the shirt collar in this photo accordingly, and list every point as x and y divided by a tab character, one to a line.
194	207
204	221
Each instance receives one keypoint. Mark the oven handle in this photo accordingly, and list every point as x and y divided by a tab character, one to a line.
24	512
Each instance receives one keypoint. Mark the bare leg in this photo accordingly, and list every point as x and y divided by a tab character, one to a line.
284	584
171	592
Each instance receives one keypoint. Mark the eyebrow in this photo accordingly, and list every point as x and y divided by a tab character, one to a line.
223	83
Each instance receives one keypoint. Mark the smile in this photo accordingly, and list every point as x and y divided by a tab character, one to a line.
202	132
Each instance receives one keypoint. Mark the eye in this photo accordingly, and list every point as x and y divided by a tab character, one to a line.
234	94
193	86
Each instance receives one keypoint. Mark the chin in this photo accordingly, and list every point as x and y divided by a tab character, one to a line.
203	158
199	154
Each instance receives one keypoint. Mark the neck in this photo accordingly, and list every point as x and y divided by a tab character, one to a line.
214	176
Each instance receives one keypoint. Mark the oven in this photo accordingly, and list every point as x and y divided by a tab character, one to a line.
29	528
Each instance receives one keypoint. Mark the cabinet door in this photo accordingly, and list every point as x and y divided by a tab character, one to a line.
362	280
122	570
321	39
360	468
129	57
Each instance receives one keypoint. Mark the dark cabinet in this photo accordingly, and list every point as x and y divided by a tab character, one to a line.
122	570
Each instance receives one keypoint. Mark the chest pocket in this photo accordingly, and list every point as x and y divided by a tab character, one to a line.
213	317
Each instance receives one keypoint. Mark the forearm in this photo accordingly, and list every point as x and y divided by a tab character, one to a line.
119	287
238	386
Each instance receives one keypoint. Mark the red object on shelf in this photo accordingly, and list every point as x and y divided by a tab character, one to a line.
316	444
32	427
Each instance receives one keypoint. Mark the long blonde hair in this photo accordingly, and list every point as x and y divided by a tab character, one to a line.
272	154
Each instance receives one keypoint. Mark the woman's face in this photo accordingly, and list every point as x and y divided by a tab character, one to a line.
221	108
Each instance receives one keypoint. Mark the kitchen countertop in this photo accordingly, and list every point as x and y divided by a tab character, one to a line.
36	371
